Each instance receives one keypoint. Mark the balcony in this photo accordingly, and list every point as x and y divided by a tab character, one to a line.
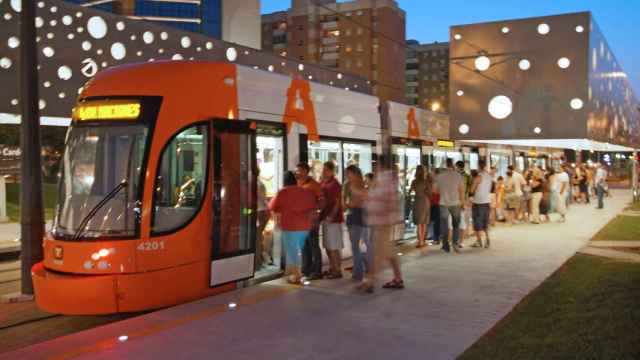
330	56
412	60
412	83
330	25
329	40
411	72
329	63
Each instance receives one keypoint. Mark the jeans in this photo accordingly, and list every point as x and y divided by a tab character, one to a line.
312	255
360	260
435	223
455	212
600	193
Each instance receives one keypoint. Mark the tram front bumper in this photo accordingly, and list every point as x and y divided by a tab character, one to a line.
74	294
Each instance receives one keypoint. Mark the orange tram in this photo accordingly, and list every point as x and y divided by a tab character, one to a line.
158	183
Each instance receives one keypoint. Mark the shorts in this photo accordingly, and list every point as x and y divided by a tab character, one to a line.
332	236
293	242
513	202
480	214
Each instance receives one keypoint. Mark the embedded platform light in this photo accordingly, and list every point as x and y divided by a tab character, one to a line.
564	63
306	283
524	64
576	104
463	129
482	63
500	107
543	29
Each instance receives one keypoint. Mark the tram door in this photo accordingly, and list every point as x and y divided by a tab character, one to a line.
234	201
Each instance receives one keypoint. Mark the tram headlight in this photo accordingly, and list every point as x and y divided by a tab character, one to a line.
103	252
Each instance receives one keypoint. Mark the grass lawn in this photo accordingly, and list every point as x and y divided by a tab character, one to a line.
622	228
588	309
50	197
635	206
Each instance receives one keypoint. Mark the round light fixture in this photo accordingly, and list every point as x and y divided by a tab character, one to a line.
13	42
339	75
148	37
48	51
482	63
524	64
185	42
500	107
459	92
579	28
232	54
537	130
118	51
5	63
270	68
97	27
543	29
576	104
64	72
463	129
457	37
505	29
564	63
301	67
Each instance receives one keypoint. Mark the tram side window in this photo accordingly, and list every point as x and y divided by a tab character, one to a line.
181	179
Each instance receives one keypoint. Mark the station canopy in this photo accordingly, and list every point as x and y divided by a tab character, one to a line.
571	144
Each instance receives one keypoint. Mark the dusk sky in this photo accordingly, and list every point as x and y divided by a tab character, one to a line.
429	21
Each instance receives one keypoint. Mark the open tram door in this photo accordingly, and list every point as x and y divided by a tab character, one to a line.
234	201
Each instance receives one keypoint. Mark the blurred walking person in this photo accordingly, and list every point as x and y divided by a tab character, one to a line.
382	209
296	207
600	181
536	184
332	219
311	253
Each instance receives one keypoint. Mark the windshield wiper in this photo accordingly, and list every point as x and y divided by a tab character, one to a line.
97	208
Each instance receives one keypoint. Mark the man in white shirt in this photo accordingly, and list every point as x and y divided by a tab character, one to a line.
561	191
450	185
481	208
518	183
600	181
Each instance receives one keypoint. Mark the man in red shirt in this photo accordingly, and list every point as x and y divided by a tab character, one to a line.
311	253
332	219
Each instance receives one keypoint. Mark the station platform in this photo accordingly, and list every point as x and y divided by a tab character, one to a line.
450	301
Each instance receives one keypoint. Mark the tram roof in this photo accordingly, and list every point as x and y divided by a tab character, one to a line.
569	144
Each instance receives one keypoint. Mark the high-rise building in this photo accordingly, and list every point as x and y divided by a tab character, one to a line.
229	20
362	37
427	75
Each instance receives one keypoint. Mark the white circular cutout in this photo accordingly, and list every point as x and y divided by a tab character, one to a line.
41	4
16	5
339	76
161	51
564	63
46	84
270	68
482	63
99	52
301	67
64	72
13	42
14	102
78	14
48	51
139	53
104	64
62	95
39	22
7	16
576	104
70	36
463	129
133	38
120	26
97	27
457	37
86	46
459	92
118	51
164	35
5	63
54	9
42	104
500	107
148	37
232	54
67	20
537	130
524	64
185	42
209	45
80	29
543	29
177	57
50	36
579	29
505	30
53	23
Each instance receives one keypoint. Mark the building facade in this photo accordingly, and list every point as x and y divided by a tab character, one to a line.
235	21
362	37
427	75
552	77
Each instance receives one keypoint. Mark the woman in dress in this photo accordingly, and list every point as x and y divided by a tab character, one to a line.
421	187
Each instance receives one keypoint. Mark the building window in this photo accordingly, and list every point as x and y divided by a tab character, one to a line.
347	32
359	47
359	13
359	64
434	77
359	31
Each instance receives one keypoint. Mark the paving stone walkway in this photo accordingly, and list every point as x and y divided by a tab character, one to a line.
450	302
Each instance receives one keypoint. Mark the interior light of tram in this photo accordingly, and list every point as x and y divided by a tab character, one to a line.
99	110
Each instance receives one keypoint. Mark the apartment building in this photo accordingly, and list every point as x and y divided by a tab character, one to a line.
362	37
427	75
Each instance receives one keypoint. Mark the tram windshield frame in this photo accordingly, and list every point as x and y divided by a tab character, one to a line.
99	154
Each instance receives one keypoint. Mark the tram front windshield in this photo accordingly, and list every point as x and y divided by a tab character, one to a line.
101	163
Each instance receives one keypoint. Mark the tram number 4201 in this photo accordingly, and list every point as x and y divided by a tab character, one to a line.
151	246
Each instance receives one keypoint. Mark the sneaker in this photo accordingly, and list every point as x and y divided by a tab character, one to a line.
476	245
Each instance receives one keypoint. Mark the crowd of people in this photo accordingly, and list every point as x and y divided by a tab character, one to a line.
449	205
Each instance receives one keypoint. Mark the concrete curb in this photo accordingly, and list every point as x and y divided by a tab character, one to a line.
611	254
614	243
